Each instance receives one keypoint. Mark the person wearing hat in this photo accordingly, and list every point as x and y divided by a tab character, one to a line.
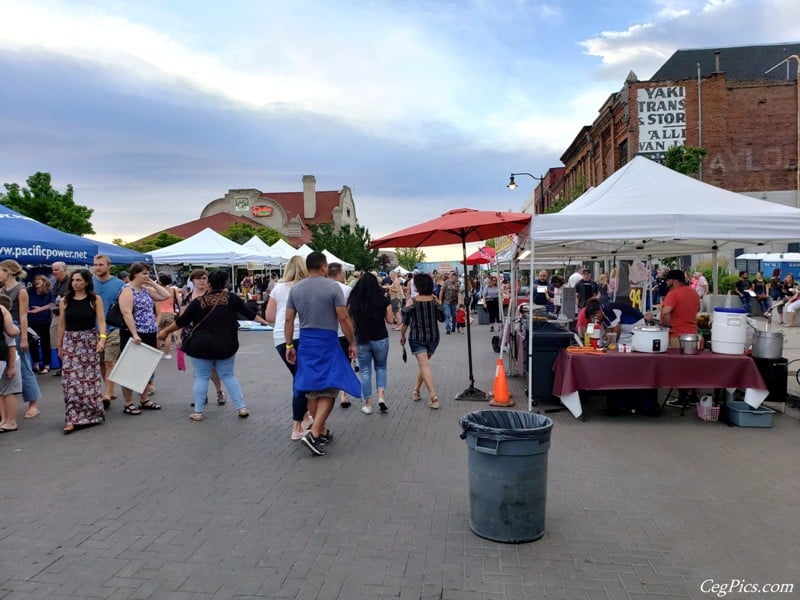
679	308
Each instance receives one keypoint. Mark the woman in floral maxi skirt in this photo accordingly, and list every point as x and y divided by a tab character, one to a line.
81	339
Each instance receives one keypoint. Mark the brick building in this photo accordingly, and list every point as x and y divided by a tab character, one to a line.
289	213
741	104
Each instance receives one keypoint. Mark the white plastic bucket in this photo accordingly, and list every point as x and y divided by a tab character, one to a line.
729	331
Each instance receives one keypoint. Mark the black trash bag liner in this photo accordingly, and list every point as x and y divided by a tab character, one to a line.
506	425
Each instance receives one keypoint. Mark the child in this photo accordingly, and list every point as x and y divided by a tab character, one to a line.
461	318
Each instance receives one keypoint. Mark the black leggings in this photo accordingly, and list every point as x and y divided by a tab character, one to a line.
493	308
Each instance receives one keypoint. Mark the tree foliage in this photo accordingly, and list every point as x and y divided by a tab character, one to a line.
563	201
350	246
409	257
685	159
162	240
41	202
242	232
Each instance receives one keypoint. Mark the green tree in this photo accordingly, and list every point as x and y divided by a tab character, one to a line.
350	246
241	232
162	240
562	201
41	202
685	159
409	257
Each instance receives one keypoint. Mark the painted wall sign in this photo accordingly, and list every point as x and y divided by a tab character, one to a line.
241	204
662	118
262	211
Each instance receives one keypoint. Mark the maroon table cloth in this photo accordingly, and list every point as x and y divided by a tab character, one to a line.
671	369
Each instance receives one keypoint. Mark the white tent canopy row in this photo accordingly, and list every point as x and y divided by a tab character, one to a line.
207	247
284	250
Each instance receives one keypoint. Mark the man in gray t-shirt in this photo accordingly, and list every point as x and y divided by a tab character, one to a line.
323	370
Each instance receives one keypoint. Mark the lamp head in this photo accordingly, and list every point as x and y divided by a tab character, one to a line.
511	183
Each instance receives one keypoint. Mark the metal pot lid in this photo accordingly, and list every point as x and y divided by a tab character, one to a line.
769	334
651	328
689	337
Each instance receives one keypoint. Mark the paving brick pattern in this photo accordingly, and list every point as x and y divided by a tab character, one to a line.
159	507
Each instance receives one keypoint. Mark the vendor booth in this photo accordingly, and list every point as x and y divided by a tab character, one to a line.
647	210
207	247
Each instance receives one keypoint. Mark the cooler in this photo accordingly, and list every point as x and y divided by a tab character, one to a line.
729	330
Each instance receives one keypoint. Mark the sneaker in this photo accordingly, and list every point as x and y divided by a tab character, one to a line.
326	438
366	409
382	405
220	398
166	357
313	444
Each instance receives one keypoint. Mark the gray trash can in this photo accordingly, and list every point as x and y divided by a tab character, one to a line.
507	462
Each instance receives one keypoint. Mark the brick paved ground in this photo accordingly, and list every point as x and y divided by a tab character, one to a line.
157	507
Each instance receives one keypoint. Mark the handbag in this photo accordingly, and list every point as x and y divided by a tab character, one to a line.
180	359
114	316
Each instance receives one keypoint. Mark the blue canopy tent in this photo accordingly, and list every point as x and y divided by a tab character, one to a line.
28	241
122	256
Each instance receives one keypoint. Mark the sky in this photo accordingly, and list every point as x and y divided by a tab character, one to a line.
152	109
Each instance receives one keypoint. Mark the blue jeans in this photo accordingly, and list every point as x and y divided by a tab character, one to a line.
202	374
450	317
30	387
375	352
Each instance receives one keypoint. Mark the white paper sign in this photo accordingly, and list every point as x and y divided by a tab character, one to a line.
135	366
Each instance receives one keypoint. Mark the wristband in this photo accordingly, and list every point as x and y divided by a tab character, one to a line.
288	346
103	336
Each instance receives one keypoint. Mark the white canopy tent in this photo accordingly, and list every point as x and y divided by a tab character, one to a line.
333	258
258	245
645	209
207	247
304	250
283	249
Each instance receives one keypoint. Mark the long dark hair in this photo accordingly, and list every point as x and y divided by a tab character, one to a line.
367	294
87	278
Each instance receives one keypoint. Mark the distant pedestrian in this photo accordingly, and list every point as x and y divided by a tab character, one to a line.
10	377
461	318
322	368
370	311
421	319
81	339
214	341
10	274
40	299
294	271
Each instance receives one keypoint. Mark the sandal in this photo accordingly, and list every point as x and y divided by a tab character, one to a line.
196	416
434	403
43	370
149	405
415	396
68	429
243	413
32	413
130	409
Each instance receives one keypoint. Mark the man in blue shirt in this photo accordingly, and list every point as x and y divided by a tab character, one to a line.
108	288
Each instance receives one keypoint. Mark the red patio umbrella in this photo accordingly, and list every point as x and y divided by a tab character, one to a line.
459	225
481	256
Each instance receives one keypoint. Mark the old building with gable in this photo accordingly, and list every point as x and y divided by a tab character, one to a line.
290	213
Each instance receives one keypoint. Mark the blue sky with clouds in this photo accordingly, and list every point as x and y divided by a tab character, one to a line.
152	109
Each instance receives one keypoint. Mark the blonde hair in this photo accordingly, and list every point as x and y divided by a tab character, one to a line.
13	268
295	270
45	279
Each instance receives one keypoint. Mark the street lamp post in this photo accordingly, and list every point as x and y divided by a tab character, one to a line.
513	185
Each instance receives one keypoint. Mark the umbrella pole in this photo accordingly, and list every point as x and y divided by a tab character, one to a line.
471	393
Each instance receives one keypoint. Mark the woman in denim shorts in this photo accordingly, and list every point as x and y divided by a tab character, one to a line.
422	316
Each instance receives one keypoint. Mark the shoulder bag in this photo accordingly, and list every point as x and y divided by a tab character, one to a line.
114	315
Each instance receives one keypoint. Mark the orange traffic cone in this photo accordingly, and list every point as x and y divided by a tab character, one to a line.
501	397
